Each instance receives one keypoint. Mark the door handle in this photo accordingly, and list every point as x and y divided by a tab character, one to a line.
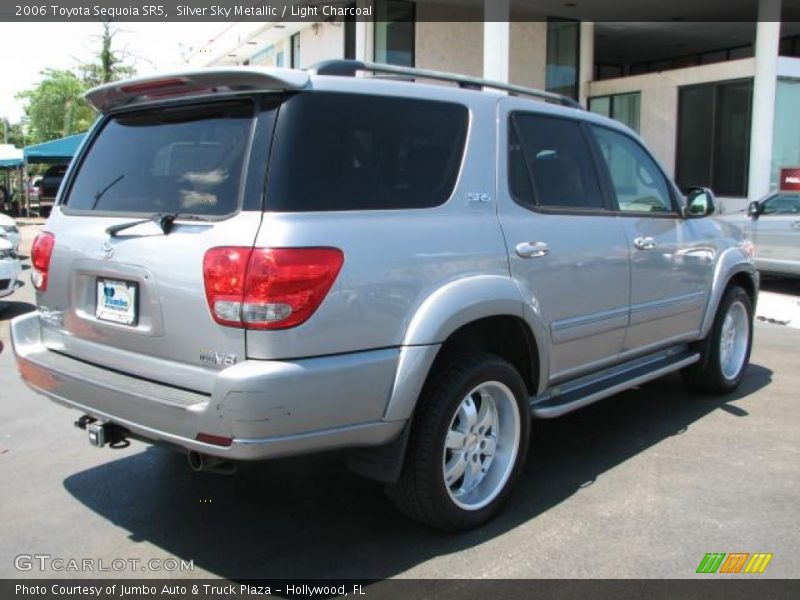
532	249
795	224
644	243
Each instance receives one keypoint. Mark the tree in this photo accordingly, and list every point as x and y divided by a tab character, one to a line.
55	107
109	64
13	133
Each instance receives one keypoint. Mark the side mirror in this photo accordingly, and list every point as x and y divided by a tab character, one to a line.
753	209
700	202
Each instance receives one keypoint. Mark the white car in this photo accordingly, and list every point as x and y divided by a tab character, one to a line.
9	268
9	231
772	224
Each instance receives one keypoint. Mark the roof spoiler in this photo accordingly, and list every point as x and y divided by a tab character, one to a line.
142	90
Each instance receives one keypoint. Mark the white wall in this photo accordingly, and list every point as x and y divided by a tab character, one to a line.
321	41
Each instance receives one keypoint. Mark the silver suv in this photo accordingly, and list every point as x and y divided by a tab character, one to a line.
253	263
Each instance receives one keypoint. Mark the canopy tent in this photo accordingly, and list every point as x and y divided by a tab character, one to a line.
58	151
10	157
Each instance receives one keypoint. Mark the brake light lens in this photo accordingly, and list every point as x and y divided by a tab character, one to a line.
154	85
41	252
268	288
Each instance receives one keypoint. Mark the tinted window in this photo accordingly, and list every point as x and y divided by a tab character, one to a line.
783	204
357	152
185	160
639	184
713	145
558	163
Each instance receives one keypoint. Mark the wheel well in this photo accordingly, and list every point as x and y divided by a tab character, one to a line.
508	337
746	282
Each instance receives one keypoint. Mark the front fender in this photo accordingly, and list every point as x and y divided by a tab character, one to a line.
731	262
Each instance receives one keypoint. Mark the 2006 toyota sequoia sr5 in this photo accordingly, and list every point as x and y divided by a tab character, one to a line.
254	263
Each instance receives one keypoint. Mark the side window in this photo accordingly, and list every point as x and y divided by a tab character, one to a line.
550	165
782	205
639	184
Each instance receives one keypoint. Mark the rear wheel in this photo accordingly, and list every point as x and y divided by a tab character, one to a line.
726	350
467	447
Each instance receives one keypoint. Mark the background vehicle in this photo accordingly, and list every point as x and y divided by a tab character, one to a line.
48	188
9	231
408	271
773	226
9	268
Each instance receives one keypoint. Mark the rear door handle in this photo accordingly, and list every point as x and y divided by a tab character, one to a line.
532	249
644	243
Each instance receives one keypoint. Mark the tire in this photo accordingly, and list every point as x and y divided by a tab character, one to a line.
725	352
484	397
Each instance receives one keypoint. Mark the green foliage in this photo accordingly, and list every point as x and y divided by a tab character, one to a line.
13	133
109	64
55	106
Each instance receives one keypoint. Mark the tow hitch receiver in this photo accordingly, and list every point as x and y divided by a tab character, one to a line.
101	434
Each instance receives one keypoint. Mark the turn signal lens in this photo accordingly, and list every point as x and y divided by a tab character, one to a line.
268	288
41	252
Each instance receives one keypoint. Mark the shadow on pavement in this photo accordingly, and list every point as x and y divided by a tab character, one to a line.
310	517
10	309
780	285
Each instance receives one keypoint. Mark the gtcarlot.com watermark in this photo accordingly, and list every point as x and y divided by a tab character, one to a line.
58	564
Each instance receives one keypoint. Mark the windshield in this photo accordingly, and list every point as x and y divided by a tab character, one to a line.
185	159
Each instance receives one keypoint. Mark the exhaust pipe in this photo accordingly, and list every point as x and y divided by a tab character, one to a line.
210	464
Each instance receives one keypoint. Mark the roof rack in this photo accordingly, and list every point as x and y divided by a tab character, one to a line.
349	68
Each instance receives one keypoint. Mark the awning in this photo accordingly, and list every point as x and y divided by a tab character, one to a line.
55	151
10	157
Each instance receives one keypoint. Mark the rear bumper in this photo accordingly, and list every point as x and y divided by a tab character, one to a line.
268	408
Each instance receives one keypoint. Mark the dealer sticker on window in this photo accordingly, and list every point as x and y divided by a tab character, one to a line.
116	301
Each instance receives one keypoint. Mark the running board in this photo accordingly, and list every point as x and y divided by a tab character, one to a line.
576	394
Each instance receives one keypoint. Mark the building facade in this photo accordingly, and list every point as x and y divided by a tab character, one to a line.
715	100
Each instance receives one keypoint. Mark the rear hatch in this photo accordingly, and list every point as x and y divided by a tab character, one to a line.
156	187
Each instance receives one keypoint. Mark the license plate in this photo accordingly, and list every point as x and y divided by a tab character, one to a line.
116	301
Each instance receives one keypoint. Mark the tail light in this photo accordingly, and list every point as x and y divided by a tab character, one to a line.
268	288
41	251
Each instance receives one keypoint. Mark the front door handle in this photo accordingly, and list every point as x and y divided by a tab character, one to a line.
644	243
795	224
532	249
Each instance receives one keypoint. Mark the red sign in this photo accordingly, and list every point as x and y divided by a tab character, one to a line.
790	179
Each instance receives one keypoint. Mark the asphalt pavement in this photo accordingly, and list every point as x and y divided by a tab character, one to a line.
641	485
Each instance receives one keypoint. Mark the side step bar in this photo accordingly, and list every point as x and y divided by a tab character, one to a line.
562	399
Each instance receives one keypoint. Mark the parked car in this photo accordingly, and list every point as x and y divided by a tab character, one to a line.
34	183
247	264
9	268
48	189
773	226
9	231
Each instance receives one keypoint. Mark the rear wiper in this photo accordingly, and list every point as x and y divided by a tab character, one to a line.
163	220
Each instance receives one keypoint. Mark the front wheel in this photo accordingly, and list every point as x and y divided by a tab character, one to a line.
726	350
467	447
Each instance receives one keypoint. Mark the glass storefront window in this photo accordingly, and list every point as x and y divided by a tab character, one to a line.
786	134
394	32
563	38
713	146
625	108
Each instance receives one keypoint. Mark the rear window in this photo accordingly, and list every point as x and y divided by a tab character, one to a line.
185	159
337	151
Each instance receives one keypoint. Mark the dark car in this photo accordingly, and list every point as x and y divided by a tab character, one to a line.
48	188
